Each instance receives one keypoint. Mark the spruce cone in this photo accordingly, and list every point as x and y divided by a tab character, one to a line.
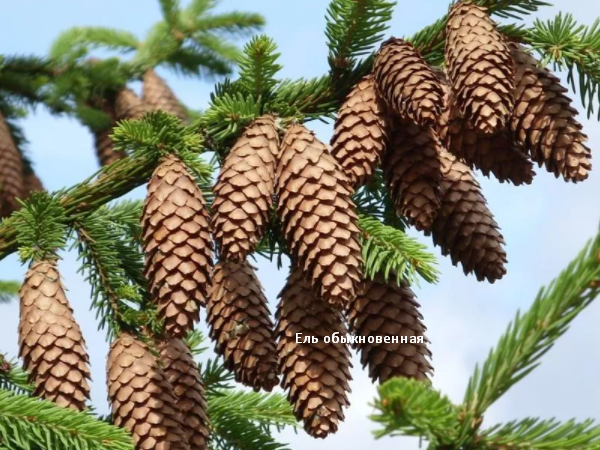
50	341
544	121
361	132
141	397
182	372
409	86
241	326
465	228
318	216
129	106
177	244
388	309
244	190
316	374
413	173
11	171
480	68
159	96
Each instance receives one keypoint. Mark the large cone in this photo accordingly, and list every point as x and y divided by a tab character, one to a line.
318	216
361	132
244	190
129	106
480	68
183	374
409	86
177	244
141	398
413	173
465	228
241	325
50	341
316	374
388	309
544	120
159	96
11	172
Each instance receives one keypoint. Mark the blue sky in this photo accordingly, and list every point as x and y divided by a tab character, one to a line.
544	224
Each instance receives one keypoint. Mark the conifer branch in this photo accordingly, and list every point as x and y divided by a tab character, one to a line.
13	378
8	290
76	42
258	66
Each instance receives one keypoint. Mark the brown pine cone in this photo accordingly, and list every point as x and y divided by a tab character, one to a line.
184	375
361	132
465	228
388	309
544	121
480	68
244	190
11	172
129	106
159	96
315	374
141	398
177	244
318	216
241	325
407	83
412	170
50	341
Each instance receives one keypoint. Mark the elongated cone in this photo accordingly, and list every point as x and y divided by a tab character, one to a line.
407	83
159	95
50	341
177	244
241	325
244	190
318	216
141	398
480	68
129	106
315	374
182	372
544	121
11	171
389	309
361	132
413	173
465	228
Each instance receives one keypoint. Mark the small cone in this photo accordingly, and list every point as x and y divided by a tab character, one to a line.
141	399
465	228
361	132
129	106
159	96
315	374
50	341
388	309
11	172
244	190
480	68
177	244
544	121
413	174
241	325
409	86
318	216
182	372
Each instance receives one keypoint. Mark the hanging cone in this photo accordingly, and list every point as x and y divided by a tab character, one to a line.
409	86
11	171
361	132
413	174
182	372
544	121
315	374
465	228
129	106
318	216
241	326
177	244
50	341
141	399
244	190
159	96
388	309
480	68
